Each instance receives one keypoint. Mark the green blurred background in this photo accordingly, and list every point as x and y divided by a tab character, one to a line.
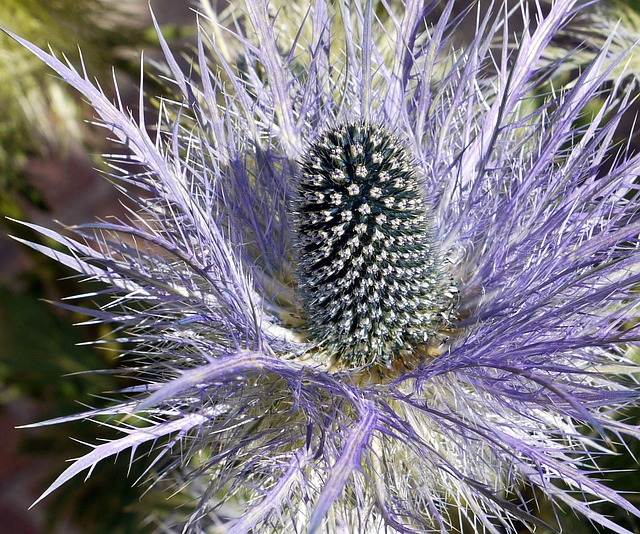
50	170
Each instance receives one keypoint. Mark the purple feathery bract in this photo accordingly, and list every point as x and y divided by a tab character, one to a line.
374	281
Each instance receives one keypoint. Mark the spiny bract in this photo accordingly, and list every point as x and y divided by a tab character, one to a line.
367	265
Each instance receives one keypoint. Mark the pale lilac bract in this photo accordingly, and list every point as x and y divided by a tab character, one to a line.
536	219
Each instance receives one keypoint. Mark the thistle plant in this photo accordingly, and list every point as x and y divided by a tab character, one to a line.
366	285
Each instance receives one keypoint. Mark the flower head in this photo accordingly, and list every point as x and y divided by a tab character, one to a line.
367	266
372	283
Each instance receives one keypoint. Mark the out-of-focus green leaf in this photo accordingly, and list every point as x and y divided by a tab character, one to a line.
38	347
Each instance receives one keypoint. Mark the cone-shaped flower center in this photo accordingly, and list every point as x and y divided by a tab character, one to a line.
367	267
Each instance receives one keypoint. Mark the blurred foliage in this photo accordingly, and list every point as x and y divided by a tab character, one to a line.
40	359
38	112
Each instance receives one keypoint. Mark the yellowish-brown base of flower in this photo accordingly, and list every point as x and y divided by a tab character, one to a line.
404	362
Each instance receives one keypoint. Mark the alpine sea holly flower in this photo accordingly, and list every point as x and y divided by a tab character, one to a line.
372	283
